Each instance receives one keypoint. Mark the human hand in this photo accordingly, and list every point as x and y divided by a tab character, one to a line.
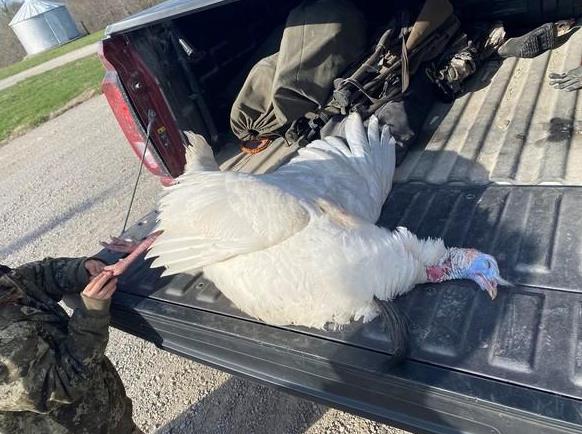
569	81
94	267
102	287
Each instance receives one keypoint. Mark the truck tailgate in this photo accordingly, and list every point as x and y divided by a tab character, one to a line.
499	170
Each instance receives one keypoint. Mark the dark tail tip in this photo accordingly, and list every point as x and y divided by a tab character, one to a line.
396	326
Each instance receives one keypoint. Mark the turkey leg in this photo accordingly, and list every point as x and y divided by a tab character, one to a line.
135	250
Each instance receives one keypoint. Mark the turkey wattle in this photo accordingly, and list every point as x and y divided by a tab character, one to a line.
299	245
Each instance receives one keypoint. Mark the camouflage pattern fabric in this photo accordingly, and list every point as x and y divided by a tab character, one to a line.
54	376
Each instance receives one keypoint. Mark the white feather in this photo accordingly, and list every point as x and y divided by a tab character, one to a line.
299	245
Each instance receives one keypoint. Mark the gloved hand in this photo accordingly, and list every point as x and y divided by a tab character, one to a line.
571	80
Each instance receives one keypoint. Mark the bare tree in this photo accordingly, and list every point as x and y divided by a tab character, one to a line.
10	49
97	15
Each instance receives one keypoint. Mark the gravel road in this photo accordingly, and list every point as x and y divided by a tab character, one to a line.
63	187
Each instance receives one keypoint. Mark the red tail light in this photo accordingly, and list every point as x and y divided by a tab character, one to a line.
131	127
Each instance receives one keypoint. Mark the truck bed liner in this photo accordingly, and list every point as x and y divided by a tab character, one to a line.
531	335
416	396
510	128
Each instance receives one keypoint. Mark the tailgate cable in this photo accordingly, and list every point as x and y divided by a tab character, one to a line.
151	118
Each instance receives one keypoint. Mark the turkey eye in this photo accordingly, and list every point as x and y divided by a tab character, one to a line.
489	265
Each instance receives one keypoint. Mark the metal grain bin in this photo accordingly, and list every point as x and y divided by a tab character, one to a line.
42	24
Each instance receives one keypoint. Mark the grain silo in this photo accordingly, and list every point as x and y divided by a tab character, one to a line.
43	24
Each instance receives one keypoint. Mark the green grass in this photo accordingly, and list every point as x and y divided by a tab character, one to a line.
37	59
34	100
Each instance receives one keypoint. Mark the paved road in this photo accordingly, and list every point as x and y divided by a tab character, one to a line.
47	66
63	187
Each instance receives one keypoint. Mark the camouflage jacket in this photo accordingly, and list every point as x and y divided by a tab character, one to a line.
54	376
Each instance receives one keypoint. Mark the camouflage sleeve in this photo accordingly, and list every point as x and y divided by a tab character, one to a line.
57	276
39	375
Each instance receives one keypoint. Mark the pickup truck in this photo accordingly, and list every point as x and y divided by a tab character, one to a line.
499	169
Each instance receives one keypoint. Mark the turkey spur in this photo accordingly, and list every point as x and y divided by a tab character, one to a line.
300	245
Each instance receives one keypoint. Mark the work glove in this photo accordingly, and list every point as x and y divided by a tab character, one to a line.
570	81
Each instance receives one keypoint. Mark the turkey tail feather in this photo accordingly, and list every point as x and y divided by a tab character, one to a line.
199	155
396	325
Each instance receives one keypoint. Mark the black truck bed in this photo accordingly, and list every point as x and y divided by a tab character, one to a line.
499	170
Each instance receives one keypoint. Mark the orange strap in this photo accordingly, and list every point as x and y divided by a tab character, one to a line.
255	146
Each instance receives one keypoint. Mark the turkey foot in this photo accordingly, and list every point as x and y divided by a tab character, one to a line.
134	248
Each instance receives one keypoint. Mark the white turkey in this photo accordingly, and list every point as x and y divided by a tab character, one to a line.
299	245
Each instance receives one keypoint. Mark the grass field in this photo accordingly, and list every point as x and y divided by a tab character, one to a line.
36	99
48	55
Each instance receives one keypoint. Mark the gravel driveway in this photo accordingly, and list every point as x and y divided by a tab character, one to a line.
64	187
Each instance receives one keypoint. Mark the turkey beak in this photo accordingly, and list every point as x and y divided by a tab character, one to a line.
492	289
488	285
491	285
500	281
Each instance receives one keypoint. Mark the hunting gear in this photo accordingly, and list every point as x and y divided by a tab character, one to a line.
539	40
320	40
322	72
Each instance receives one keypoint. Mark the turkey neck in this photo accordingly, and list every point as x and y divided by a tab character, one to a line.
450	267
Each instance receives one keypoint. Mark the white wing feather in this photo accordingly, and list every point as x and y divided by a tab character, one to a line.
356	177
209	217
